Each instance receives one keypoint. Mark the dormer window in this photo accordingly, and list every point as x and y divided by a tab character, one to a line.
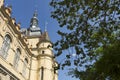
48	46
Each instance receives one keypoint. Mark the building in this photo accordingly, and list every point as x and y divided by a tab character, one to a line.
25	54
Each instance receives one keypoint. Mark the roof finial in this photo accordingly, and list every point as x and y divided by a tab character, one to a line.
46	23
35	14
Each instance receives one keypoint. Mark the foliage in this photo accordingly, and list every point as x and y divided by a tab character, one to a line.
91	26
89	74
109	62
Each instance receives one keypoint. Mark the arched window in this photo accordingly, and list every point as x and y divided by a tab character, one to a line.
5	46
16	58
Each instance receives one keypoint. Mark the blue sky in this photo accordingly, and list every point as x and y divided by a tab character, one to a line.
23	10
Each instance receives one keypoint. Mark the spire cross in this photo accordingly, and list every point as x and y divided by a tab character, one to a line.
46	23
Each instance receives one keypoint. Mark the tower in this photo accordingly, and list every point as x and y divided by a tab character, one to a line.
25	54
34	28
46	61
42	60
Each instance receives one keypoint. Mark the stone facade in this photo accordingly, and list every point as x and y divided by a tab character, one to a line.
25	54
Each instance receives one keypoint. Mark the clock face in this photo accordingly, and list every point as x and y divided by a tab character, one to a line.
33	26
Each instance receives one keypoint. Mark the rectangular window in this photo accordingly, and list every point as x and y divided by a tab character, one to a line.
24	70
42	73
16	58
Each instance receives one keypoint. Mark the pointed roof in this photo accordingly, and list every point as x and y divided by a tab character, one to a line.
34	28
34	20
45	37
35	15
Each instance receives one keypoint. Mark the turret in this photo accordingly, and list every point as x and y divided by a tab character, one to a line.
43	64
46	59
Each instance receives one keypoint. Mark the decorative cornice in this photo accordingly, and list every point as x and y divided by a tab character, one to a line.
15	27
7	71
45	55
34	36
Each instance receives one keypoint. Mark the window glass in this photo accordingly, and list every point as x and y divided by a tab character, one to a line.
16	58
25	66
5	46
42	73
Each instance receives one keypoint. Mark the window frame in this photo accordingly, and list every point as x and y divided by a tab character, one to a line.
16	57
25	63
5	46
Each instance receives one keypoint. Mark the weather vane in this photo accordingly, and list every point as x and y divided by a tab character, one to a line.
46	23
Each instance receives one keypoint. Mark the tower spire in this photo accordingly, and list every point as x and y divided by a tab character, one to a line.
34	28
34	20
46	23
35	15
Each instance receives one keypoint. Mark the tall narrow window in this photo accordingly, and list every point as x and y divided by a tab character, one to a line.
42	73
5	46
16	58
25	66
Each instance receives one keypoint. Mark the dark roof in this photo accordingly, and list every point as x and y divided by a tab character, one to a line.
44	37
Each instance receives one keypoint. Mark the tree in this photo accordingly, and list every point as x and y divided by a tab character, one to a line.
109	62
90	27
